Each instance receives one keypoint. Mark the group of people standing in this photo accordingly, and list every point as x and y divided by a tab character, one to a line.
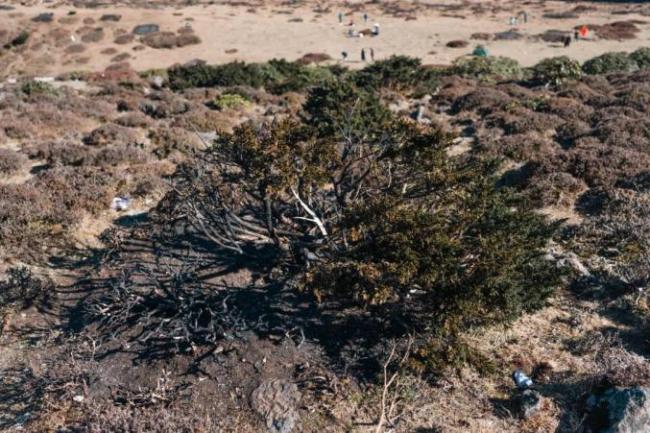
364	56
365	52
523	15
579	33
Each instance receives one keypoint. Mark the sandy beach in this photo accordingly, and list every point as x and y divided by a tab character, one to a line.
259	33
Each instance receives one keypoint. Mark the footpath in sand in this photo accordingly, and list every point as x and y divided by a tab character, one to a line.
254	33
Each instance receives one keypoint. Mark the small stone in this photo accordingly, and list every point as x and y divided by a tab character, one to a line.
527	403
45	17
277	402
145	29
157	81
619	410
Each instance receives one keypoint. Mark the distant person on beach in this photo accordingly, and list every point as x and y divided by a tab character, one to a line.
340	18
567	41
375	29
584	32
363	55
524	15
576	35
344	55
365	17
372	54
480	51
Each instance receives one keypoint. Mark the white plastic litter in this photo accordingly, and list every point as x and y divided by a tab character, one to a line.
120	203
521	380
78	398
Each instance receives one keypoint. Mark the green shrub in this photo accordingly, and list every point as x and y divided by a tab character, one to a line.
409	233
487	68
556	70
229	101
641	57
609	63
32	87
341	109
394	72
277	76
281	76
229	74
398	73
476	259
363	209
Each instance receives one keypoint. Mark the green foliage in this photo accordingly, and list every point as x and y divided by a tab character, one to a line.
229	74
556	70
31	88
609	63
487	68
641	57
277	76
472	254
341	109
282	76
229	101
398	73
267	156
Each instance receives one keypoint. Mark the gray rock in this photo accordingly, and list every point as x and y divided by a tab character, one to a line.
208	137
45	17
145	29
157	81
619	410
527	403
509	35
277	401
195	62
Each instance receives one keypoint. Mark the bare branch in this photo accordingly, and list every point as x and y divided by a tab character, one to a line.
314	218
389	399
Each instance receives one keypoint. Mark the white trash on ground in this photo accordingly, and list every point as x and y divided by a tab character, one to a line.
521	380
120	203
